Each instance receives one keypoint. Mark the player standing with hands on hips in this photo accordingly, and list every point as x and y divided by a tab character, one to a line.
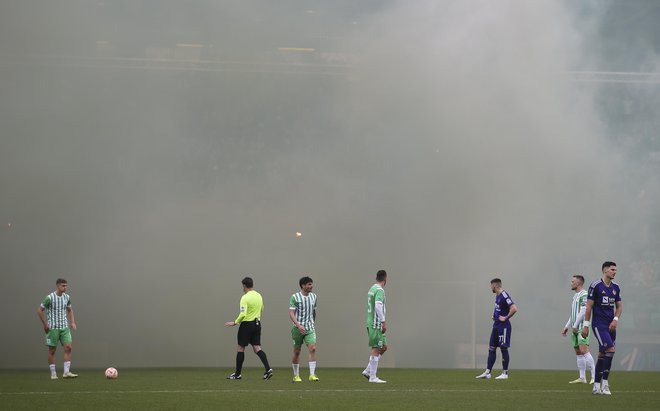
249	330
376	326
56	315
604	302
500	336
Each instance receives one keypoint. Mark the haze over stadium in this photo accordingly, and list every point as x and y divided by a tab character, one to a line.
153	153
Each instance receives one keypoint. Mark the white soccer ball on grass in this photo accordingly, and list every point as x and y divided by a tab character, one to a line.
111	373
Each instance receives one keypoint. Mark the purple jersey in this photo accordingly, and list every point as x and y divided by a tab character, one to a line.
604	299
503	302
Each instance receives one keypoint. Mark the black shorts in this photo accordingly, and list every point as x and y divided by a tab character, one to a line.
249	332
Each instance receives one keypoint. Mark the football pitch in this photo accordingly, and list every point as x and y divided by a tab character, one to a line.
339	388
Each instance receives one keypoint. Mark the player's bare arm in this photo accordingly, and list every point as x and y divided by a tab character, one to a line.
617	313
42	318
512	310
292	315
72	318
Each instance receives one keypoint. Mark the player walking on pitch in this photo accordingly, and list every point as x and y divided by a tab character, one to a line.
500	336
604	302
376	326
249	331
56	315
574	323
302	311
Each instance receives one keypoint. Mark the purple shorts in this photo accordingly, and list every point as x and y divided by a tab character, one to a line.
501	335
606	338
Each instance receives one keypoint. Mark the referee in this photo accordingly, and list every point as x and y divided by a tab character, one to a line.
249	331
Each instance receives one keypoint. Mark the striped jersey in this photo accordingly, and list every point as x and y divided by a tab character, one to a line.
56	308
376	293
305	307
579	301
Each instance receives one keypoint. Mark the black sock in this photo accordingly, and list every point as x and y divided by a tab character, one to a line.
599	370
607	364
492	356
505	359
240	356
264	359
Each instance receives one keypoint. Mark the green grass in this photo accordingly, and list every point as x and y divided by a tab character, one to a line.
339	388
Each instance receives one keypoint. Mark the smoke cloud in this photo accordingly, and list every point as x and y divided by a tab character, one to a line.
155	153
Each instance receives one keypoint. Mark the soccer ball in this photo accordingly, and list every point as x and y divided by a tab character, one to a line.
111	373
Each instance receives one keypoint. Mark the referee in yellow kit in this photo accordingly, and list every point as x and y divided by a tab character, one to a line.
249	331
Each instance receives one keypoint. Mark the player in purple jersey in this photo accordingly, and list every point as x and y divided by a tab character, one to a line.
500	336
604	302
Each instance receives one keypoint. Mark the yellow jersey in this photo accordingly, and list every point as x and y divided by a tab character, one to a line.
252	305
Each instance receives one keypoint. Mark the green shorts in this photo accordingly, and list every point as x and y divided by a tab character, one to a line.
298	338
577	340
62	336
376	338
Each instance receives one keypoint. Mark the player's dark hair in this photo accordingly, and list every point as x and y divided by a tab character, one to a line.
247	282
608	264
580	278
61	281
496	281
381	275
304	281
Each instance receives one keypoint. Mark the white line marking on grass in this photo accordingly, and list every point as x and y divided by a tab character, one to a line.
303	391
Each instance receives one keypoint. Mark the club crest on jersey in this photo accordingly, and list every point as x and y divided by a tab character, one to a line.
614	292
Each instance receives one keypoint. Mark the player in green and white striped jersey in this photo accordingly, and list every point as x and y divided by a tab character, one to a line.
56	315
574	323
302	311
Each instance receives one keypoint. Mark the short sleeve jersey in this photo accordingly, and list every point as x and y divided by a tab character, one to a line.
605	299
376	293
252	305
305	309
579	301
56	307
503	303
